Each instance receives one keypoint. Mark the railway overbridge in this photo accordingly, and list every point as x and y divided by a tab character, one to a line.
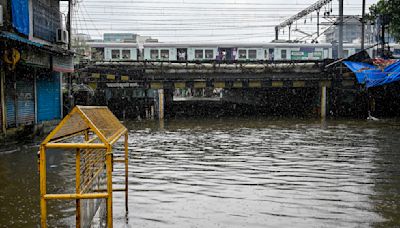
236	77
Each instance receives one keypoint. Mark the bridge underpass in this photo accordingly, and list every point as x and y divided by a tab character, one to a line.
274	87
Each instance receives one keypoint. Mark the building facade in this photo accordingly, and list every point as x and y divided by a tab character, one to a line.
32	63
351	32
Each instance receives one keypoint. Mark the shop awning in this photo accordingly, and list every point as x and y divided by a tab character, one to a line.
48	48
15	37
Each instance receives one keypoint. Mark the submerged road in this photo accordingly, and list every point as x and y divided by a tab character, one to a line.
238	172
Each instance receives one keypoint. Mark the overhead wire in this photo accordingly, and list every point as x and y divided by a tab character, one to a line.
138	16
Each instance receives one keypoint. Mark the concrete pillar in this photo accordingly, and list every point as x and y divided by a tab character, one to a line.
323	102
160	102
152	112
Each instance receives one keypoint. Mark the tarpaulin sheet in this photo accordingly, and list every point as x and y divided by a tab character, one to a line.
372	76
20	16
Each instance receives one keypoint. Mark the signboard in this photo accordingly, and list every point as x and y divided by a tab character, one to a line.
122	85
304	55
64	64
35	58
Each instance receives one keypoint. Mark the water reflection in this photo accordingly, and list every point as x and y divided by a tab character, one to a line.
231	173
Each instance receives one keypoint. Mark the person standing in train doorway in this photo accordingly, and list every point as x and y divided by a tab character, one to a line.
234	53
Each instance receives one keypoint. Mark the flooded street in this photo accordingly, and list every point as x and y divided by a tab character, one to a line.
232	172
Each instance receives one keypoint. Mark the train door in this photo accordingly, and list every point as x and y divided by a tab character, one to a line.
181	54
271	54
225	53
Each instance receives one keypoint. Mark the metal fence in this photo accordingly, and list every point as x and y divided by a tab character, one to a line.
91	131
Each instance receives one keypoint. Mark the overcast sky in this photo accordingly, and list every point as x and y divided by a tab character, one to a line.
201	20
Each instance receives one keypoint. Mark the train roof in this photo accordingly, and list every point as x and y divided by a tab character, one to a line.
231	45
113	44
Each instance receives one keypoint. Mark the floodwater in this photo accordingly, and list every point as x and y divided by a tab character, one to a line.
231	172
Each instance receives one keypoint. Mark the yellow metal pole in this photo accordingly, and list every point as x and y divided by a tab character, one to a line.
43	206
78	187
76	145
126	171
109	187
86	135
75	196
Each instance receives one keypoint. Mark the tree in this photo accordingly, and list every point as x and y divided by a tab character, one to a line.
390	8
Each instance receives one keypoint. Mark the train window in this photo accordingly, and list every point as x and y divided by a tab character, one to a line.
115	54
154	54
97	54
198	54
126	54
396	51
283	54
242	54
209	54
252	54
164	54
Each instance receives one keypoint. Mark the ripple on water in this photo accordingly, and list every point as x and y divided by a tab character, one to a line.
305	175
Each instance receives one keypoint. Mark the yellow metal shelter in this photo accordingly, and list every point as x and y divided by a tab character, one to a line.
91	131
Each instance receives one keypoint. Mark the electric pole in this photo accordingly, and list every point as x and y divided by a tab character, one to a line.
340	48
363	25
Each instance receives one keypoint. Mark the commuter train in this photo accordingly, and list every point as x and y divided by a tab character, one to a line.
230	51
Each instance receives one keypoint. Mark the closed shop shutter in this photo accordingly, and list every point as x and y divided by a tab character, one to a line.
25	100
9	91
48	97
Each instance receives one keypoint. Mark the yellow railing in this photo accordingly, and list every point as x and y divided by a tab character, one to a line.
91	132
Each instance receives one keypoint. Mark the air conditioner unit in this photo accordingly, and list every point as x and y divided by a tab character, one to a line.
62	36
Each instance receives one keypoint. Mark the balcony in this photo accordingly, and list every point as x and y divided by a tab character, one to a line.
46	20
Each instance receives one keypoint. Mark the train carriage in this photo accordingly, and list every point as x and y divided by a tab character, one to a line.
101	51
296	51
179	51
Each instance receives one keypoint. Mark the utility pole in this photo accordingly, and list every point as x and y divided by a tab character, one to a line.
317	24
363	25
383	25
69	23
340	48
69	75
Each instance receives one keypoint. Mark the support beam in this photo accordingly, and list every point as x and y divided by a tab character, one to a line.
323	102
314	7
78	187
43	204
109	187
161	104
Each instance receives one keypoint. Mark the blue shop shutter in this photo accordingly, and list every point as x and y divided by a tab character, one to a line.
9	92
20	16
10	110
48	97
25	101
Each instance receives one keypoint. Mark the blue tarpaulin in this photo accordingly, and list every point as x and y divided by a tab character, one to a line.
372	76
20	16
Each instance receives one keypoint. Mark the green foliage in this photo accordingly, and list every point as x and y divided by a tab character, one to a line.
391	8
